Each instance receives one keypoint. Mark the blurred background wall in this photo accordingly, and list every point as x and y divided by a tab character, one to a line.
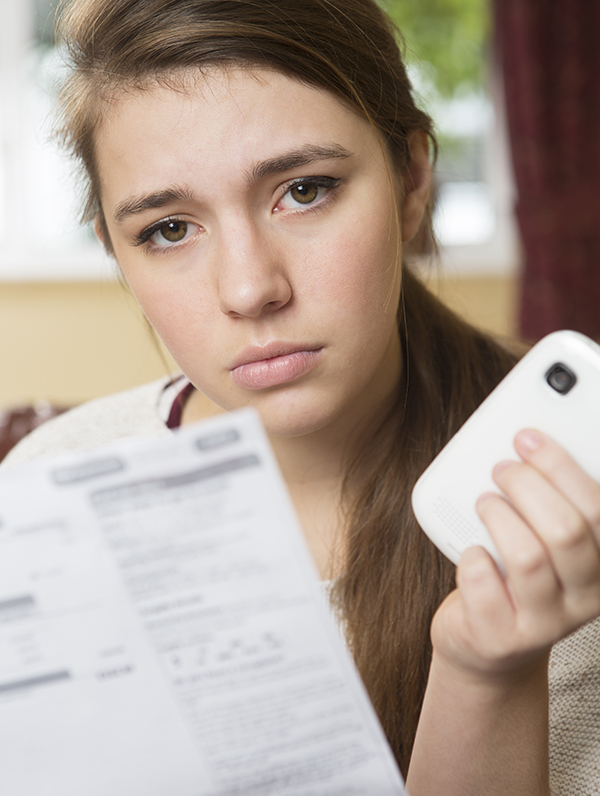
66	342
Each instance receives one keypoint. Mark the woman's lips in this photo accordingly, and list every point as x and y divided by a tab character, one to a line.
271	371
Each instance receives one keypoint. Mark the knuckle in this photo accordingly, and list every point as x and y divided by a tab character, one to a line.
530	560
572	532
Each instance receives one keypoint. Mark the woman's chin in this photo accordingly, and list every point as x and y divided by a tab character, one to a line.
296	410
300	420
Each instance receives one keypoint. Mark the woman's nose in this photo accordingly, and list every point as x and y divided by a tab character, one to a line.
251	275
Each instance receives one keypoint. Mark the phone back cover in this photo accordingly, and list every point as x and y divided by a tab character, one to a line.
445	495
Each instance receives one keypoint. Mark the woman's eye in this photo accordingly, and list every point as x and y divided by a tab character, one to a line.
171	232
306	192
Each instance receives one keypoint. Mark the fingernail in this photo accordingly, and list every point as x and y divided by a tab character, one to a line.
530	440
486	496
501	466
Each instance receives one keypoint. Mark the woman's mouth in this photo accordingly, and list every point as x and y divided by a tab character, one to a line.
273	370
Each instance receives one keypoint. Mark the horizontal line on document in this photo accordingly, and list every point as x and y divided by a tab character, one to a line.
138	489
23	601
33	682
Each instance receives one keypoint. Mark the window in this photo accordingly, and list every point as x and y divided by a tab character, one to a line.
40	234
448	58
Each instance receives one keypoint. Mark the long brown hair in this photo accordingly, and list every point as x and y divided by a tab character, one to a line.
394	578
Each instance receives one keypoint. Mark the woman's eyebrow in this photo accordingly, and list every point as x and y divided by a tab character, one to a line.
289	160
295	158
137	204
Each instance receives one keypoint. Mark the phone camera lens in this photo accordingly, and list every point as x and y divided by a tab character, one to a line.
560	378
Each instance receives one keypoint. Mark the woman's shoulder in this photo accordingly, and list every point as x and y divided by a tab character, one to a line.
575	712
132	413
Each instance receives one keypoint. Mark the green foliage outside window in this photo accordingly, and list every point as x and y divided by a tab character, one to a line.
449	37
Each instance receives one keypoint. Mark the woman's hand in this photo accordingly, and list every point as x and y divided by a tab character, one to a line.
548	536
485	715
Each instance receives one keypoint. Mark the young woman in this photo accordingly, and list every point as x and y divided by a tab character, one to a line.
258	169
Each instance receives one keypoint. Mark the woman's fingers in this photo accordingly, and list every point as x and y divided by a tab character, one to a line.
548	534
532	579
474	627
560	529
563	472
546	527
488	609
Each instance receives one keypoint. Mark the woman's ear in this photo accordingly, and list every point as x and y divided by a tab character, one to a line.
415	184
99	229
102	233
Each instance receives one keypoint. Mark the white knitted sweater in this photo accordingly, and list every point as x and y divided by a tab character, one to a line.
575	662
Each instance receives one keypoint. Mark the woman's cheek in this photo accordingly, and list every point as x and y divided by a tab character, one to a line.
357	266
179	317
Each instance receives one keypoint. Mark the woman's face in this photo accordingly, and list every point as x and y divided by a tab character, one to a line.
254	219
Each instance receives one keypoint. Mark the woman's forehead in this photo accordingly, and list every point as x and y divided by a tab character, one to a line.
227	117
213	84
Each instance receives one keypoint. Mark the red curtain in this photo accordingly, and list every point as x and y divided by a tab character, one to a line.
550	56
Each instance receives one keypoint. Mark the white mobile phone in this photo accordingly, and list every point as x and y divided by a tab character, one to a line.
555	388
